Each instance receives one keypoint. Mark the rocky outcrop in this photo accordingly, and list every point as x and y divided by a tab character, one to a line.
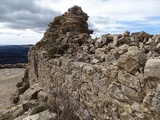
114	77
152	68
67	28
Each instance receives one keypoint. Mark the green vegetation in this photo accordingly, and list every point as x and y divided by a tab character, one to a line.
39	109
7	117
56	48
20	113
53	48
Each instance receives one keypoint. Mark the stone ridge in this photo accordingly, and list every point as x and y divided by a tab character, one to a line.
71	23
114	77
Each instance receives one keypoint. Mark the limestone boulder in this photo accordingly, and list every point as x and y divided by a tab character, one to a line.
131	93
151	42
102	40
129	80
152	68
126	34
42	96
115	40
110	37
112	57
122	40
100	53
132	60
140	35
31	93
123	48
98	44
158	47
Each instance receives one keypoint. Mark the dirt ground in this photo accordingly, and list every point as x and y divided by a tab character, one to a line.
8	80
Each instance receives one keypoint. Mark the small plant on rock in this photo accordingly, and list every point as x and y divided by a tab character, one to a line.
56	48
39	109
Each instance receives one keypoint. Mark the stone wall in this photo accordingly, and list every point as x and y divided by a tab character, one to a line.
114	77
118	90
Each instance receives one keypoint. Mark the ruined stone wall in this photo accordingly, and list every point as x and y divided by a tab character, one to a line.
114	77
117	90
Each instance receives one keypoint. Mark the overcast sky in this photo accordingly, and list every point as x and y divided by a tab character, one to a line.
24	21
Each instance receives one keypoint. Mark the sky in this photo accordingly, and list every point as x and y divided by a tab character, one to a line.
25	21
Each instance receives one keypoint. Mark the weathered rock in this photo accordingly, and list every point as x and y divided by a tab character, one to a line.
92	50
42	96
151	42
98	45
111	57
152	68
102	40
94	61
153	54
123	48
126	34
115	92
129	80
100	53
110	37
157	36
69	24
132	60
83	57
45	115
28	104
31	93
131	93
115	40
125	116
121	40
158	47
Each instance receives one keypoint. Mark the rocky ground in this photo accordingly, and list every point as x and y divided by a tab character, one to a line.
8	80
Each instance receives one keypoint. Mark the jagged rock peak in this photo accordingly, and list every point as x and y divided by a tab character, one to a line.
78	11
70	23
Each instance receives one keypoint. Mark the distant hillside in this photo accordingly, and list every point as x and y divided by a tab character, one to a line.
11	54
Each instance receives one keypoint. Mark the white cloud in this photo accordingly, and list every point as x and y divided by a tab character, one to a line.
14	37
105	15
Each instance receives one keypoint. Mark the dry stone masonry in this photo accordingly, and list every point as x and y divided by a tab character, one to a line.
114	77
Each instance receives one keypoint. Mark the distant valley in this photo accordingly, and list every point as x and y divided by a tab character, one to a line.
12	54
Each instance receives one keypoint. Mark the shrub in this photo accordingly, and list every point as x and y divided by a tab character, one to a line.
61	104
56	48
20	113
7	117
39	109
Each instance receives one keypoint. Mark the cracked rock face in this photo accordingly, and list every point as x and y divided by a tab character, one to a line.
114	77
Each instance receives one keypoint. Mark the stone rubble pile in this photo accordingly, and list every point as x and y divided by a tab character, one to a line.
114	77
70	27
